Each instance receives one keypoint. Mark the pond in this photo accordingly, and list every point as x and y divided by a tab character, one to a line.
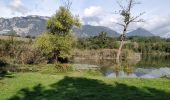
148	67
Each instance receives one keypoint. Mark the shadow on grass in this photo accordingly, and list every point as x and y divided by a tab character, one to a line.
89	89
5	74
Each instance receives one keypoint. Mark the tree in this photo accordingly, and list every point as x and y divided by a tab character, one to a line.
101	40
54	47
57	42
12	41
62	22
128	18
12	35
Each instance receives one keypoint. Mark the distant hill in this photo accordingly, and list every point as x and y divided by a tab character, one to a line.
35	25
88	30
140	32
23	26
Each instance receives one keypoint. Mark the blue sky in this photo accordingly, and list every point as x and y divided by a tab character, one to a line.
48	7
94	12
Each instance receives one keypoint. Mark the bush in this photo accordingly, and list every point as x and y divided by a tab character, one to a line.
30	56
54	47
3	63
27	54
63	67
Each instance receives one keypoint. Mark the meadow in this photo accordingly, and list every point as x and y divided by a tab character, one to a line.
80	86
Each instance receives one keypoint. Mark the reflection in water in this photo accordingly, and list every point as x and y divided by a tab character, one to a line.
148	67
141	73
150	61
99	62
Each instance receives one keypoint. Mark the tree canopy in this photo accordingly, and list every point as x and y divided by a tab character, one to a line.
62	22
57	41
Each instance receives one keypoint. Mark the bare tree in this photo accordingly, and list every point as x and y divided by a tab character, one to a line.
67	3
128	18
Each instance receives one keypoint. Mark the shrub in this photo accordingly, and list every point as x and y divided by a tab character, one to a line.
3	63
28	55
54	47
63	67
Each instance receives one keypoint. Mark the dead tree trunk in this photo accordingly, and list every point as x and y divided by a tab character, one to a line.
122	38
125	12
119	52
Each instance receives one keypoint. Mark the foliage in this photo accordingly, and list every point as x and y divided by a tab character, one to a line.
152	39
55	45
3	63
29	55
136	43
62	22
97	42
148	44
18	51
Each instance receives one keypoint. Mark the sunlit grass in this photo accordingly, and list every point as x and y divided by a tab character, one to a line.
82	86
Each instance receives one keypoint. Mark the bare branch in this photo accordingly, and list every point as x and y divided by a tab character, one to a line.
120	5
130	5
67	3
133	19
136	3
121	25
140	20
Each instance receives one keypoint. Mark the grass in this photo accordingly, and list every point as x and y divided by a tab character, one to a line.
80	86
16	38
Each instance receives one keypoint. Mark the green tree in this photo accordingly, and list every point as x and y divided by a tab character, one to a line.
57	42
62	22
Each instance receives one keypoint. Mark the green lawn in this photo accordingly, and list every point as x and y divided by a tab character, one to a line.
78	86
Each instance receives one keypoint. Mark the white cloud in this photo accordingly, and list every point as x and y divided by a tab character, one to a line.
157	24
96	16
4	10
17	6
93	11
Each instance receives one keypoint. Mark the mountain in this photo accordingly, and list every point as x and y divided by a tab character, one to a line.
30	25
88	30
34	25
140	32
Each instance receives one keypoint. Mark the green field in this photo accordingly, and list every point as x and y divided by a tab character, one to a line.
37	86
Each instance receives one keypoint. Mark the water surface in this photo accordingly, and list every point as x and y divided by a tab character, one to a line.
148	67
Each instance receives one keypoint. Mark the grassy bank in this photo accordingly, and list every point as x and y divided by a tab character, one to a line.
102	54
36	86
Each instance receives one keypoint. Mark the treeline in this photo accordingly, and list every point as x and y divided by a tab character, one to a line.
139	44
148	45
102	41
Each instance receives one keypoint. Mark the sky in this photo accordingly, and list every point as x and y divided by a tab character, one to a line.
95	12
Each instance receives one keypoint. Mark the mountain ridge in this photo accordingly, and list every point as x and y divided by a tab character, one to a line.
89	30
34	25
140	32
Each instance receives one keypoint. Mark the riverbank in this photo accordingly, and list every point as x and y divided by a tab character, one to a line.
109	54
81	86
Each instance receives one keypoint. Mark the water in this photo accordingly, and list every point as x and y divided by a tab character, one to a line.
147	67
